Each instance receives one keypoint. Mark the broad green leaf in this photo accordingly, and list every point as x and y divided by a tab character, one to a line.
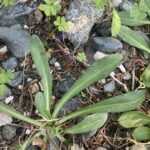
41	62
133	38
116	23
89	123
148	3
46	9
8	110
81	57
40	105
100	4
141	133
144	7
126	19
120	103
98	71
133	119
145	77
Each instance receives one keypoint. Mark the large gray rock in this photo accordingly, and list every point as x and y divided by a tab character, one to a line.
13	15
105	44
81	17
17	40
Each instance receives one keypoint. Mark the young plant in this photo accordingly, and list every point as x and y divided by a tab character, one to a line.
7	2
5	77
100	4
96	114
137	120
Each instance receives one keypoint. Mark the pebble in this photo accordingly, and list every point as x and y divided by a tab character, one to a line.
127	76
76	147
5	119
9	16
81	17
103	29
100	148
28	131
29	79
105	44
126	6
10	63
6	94
57	65
17	41
20	87
3	50
122	68
99	55
116	3
9	132
38	15
33	147
18	78
65	84
110	87
138	147
34	88
9	99
52	60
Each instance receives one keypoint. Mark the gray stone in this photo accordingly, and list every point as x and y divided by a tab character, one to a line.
105	44
126	6
52	61
13	15
17	40
110	87
8	132
6	94
81	17
65	84
33	147
18	77
10	63
103	29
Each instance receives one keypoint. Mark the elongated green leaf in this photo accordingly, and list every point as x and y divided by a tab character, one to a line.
127	20
119	103
116	23
41	62
98	71
141	133
133	119
91	122
40	105
8	110
133	38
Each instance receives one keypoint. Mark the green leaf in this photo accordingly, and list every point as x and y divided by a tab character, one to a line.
116	23
2	89
89	123
100	4
141	133
46	9
81	57
145	77
40	105
115	104
133	119
126	19
41	62
133	38
144	7
98	71
8	110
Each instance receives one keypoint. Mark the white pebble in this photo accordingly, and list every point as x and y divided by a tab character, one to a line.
29	79
3	50
9	99
57	64
25	27
98	55
122	68
28	131
20	87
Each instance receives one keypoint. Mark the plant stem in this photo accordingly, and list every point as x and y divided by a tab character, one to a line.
8	110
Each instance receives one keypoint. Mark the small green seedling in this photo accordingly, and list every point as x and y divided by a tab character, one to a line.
81	57
100	4
5	77
7	2
51	8
137	120
51	125
61	24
